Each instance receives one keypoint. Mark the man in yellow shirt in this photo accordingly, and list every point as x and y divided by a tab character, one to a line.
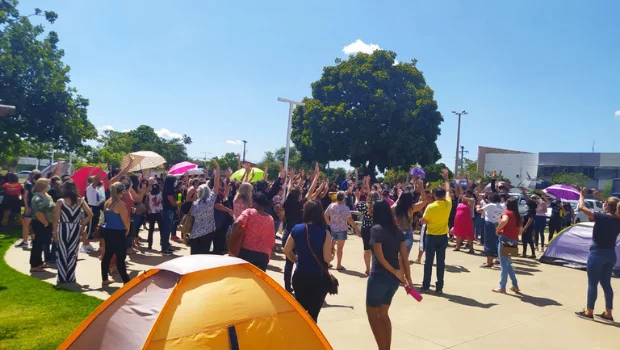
436	241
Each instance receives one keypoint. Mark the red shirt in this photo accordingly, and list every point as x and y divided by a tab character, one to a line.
511	230
13	189
259	231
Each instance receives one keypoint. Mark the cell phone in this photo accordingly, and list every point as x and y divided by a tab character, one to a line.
589	191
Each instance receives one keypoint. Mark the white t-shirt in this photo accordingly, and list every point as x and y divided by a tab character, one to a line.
492	212
94	196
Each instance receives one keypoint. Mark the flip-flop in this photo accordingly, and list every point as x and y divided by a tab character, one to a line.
341	268
605	318
488	266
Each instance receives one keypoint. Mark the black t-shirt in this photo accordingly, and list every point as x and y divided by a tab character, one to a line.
390	244
555	211
606	230
326	201
293	214
529	216
165	202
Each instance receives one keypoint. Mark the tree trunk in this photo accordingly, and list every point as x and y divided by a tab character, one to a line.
370	171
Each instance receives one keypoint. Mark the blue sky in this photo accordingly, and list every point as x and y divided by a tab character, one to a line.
536	76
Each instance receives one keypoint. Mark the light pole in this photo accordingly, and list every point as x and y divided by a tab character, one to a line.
458	140
6	110
244	143
288	130
463	151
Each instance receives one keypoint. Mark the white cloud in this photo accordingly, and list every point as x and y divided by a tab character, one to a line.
103	128
167	134
234	142
617	113
360	46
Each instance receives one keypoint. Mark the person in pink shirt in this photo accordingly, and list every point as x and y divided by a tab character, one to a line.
386	197
259	229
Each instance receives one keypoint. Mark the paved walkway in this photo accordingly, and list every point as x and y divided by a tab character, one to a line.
467	316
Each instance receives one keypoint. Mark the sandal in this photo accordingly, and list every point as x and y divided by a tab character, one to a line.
500	291
485	265
37	269
471	251
515	289
583	314
341	268
107	282
605	318
456	249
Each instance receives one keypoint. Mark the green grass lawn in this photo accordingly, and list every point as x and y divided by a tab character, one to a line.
35	314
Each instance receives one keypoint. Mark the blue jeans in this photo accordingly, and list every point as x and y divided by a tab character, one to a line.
408	240
167	217
479	227
435	245
288	265
490	239
539	230
506	265
600	266
136	221
380	288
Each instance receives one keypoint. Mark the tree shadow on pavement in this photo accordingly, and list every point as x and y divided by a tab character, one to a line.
456	269
536	301
326	305
274	268
457	299
523	261
353	273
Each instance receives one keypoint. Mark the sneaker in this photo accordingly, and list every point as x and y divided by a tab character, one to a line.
166	252
23	244
87	249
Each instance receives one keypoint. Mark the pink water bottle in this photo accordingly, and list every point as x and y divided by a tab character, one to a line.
413	292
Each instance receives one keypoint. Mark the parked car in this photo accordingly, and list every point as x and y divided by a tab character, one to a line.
23	175
595	204
579	215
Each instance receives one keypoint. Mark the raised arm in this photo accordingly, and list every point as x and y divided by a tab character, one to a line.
216	177
582	204
125	170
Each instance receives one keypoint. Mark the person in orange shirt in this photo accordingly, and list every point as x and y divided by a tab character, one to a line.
12	199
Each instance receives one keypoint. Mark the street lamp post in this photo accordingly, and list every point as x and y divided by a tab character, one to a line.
6	110
288	130
458	140
244	143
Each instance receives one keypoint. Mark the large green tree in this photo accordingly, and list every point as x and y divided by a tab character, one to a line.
371	111
433	172
35	80
114	145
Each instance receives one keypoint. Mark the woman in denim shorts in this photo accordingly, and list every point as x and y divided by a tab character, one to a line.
338	216
390	268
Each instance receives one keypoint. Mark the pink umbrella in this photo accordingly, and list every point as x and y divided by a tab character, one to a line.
563	191
181	168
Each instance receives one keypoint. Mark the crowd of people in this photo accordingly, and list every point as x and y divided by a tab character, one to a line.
315	218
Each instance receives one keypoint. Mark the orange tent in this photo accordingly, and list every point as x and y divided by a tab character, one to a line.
199	302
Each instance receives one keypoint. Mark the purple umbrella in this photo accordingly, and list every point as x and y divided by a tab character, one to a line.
563	191
418	172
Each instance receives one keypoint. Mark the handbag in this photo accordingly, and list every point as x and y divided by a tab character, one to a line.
187	222
332	281
235	241
509	249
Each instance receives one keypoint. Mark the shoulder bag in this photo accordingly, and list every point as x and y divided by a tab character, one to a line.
187	222
332	281
509	249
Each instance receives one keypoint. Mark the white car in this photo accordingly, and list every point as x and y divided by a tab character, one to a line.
579	215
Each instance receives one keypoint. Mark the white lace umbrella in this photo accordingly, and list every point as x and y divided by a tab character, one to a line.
144	159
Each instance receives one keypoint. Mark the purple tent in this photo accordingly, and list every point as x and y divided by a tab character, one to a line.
572	246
